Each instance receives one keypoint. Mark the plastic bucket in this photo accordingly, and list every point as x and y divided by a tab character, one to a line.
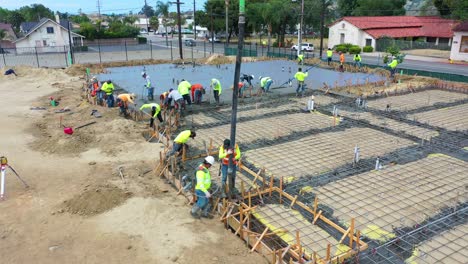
68	130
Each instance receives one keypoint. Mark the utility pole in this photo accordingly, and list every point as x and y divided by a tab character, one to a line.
99	13
240	44
227	21
70	42
179	26
194	24
322	27
299	40
212	31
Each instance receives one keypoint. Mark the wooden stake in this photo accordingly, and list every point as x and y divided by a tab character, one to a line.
358	237
317	217
293	202
271	185
315	206
241	220
242	189
328	252
259	240
281	190
250	199
298	242
351	233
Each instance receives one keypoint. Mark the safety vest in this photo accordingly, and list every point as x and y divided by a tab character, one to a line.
263	81
184	87
216	85
300	57
393	64
342	58
158	108
108	88
95	88
329	53
357	57
300	76
203	179
225	157
183	137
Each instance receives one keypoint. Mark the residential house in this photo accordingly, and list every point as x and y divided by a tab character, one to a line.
143	24
7	41
460	42
47	35
365	31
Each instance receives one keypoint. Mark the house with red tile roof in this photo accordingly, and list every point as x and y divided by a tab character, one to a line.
364	31
459	51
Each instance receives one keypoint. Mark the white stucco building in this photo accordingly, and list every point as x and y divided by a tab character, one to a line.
47	36
364	31
459	51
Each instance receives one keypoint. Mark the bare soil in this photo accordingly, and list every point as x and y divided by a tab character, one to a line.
78	209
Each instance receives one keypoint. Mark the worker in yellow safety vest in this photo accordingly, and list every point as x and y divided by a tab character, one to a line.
184	90
216	85
108	88
300	77
155	112
393	64
357	60
181	140
329	55
202	189
226	152
300	59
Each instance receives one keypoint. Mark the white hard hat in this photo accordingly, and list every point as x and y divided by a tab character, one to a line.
143	73
210	160
253	76
132	95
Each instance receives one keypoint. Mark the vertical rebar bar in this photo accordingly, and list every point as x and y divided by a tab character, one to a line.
151	49
126	53
37	57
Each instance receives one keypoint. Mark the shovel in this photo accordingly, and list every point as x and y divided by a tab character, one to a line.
69	130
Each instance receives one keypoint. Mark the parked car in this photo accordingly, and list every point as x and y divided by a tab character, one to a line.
190	42
143	31
304	47
216	40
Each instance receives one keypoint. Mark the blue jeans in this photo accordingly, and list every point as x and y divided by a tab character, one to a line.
300	87
202	200
197	97
150	93
110	100
100	96
267	85
224	173
357	63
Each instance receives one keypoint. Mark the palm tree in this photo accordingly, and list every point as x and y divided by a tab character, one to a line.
154	23
162	9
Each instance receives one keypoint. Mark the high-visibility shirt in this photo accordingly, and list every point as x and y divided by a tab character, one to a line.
300	76
329	53
240	85
183	137
158	108
264	80
184	87
357	57
125	98
108	88
342	58
393	64
224	157
216	85
148	81
174	95
195	87
203	179
300	57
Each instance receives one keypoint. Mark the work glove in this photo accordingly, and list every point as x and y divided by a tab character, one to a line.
207	194
229	151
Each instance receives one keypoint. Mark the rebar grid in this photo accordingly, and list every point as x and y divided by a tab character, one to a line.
450	118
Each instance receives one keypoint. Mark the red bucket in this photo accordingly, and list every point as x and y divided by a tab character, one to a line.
68	130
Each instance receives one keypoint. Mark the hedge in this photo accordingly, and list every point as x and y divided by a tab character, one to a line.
142	40
368	49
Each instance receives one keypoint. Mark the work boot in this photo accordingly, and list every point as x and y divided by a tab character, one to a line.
195	212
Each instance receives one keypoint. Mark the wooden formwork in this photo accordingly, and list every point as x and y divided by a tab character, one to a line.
237	215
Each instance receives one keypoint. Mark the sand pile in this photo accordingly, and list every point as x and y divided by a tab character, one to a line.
96	200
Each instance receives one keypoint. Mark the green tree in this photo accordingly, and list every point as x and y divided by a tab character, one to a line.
4	14
88	30
154	23
147	10
130	20
15	19
162	9
456	9
2	34
80	18
346	7
380	8
443	6
35	12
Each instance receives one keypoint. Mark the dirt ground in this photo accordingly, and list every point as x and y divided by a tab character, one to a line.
77	209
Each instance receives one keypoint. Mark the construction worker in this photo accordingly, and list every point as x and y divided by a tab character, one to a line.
197	93
342	61
245	78
300	77
178	99
393	64
216	85
147	85
181	140
108	88
329	55
123	100
184	90
155	112
265	83
162	97
300	58
225	153
202	189
357	60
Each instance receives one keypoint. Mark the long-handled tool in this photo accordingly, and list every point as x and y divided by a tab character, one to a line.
290	79
3	166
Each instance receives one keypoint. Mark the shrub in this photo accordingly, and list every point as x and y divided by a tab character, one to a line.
142	40
354	49
386	59
341	48
394	50
368	49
